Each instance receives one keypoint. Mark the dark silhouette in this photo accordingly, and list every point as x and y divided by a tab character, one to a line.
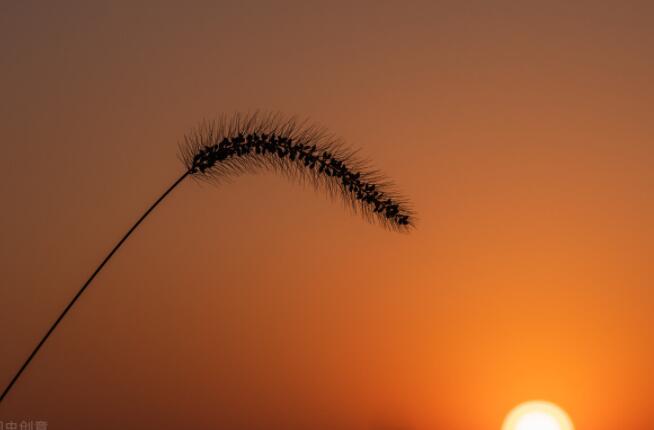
242	143
230	146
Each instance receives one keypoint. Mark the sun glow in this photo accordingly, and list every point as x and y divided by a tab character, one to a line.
537	415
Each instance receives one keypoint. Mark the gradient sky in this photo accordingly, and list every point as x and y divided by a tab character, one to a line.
522	131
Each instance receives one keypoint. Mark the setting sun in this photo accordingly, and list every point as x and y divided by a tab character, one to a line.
537	415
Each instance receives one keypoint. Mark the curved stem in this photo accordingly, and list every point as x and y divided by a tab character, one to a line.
88	282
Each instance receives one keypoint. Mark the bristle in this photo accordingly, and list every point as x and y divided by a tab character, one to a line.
220	149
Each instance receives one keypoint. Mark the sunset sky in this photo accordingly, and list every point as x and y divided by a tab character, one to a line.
522	132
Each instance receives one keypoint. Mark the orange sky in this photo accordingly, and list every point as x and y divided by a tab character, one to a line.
521	131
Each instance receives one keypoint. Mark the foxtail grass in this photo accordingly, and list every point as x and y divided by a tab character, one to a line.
219	150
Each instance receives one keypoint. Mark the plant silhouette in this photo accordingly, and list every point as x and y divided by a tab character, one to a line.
220	149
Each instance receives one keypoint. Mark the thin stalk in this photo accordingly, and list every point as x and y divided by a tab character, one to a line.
89	280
